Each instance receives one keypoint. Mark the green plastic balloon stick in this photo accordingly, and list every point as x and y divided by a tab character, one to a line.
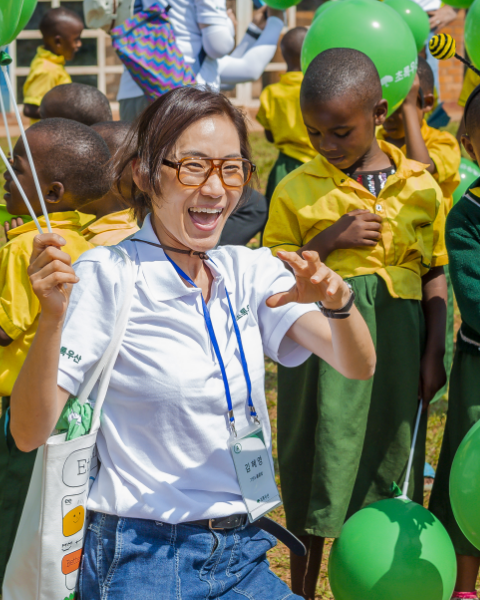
393	550
415	17
472	33
468	171
26	13
375	29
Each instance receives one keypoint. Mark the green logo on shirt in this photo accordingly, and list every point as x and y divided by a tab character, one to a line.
243	312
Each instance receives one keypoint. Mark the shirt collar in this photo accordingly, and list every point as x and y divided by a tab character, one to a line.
122	219
405	168
292	78
42	52
161	278
71	219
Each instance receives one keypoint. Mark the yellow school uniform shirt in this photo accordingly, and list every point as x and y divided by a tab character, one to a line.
470	82
445	153
111	229
280	113
317	194
19	307
47	70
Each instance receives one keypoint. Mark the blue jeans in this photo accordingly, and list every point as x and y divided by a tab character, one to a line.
139	559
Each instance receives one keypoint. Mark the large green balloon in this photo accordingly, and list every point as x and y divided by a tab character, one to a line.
393	550
9	17
415	17
375	29
26	13
469	171
459	3
472	33
281	4
465	485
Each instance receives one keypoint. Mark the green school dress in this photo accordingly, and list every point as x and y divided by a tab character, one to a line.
463	244
342	442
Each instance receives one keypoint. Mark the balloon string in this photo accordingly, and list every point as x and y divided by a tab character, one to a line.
412	452
466	62
5	122
27	150
20	189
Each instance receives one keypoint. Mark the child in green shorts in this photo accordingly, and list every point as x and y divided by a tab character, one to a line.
407	129
463	245
377	218
71	160
281	116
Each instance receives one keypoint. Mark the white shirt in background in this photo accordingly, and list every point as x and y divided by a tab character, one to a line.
163	442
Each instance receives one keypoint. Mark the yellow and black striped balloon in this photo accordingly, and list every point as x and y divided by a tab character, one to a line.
442	46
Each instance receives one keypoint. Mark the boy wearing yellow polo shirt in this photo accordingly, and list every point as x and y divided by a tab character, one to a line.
470	82
281	116
61	30
378	219
407	129
113	221
70	159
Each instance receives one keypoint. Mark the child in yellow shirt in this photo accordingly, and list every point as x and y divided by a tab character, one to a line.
407	129
71	163
61	29
281	116
113	221
470	82
378	219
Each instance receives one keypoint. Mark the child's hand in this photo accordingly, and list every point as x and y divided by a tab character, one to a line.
315	282
412	96
8	225
355	229
51	274
432	376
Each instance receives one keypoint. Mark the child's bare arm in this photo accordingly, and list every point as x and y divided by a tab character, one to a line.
268	135
32	111
416	148
5	340
434	304
353	230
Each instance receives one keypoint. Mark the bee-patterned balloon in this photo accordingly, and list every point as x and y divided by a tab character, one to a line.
442	46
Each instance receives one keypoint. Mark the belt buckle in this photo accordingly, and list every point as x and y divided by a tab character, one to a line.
211	526
225	523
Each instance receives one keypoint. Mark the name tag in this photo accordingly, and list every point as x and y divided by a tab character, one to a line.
254	472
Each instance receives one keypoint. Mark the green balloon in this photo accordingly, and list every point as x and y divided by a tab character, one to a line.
26	13
377	30
323	7
465	485
9	16
281	4
394	549
415	17
6	216
468	171
472	33
459	3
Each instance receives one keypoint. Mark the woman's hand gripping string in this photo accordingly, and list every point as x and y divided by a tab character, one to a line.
315	282
51	274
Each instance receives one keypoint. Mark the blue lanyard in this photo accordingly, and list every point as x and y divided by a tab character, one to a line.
213	338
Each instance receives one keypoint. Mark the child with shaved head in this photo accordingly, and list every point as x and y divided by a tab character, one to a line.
281	116
71	161
114	222
463	245
61	29
377	218
77	101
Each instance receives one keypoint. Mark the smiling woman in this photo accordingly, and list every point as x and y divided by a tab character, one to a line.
185	444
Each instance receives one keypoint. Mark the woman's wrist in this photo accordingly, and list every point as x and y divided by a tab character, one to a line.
340	300
51	322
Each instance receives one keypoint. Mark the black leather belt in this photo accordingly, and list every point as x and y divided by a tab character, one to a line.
265	523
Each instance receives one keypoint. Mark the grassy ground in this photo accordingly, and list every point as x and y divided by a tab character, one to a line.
264	156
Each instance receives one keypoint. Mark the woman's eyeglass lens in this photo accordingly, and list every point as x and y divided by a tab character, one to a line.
234	173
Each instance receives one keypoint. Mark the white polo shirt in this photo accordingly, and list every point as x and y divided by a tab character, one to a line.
164	430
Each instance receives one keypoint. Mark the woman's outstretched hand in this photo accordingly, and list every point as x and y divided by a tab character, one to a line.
51	274
315	282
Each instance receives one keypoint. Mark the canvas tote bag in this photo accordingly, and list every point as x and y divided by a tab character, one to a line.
48	547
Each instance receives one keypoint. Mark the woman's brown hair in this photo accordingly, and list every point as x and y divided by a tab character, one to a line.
156	132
